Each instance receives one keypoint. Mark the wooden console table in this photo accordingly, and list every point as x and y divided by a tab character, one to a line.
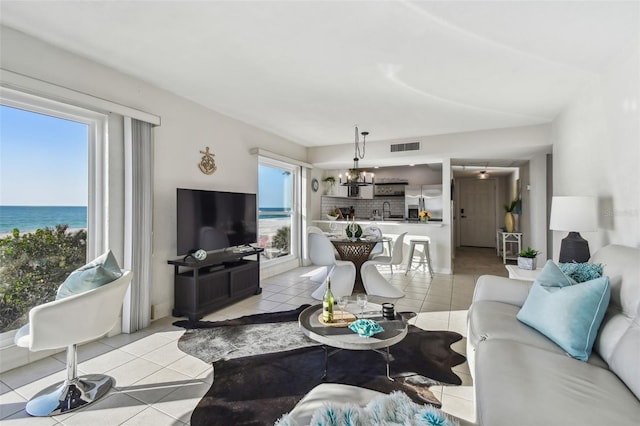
201	287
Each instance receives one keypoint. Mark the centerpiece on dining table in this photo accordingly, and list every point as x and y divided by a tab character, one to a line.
424	215
353	230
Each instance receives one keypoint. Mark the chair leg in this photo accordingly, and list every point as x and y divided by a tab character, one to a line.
75	392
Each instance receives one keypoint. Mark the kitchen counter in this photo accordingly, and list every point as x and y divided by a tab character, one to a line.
369	222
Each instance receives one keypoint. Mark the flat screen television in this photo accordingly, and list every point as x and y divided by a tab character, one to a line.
213	220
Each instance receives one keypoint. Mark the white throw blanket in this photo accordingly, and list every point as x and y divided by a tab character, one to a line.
396	409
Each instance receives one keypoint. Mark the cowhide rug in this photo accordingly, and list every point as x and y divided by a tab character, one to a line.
263	365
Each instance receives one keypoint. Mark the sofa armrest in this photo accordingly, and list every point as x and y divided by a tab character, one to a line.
501	289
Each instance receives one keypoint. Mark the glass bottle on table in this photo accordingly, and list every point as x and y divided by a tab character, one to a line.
327	304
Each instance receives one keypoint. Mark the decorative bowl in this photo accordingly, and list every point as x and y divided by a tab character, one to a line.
332	217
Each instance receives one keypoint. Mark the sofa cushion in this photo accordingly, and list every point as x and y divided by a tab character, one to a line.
524	385
103	270
569	314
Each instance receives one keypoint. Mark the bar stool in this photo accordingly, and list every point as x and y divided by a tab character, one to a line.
425	256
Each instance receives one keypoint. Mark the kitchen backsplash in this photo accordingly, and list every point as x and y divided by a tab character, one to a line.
363	207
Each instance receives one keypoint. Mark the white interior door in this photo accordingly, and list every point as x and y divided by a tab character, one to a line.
477	212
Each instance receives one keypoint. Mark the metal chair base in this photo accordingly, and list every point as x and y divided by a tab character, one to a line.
69	395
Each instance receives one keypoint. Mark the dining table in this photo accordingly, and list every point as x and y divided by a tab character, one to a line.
357	251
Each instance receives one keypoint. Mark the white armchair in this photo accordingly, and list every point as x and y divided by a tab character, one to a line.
342	272
68	322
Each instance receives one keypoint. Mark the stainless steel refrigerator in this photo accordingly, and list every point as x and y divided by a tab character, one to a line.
423	197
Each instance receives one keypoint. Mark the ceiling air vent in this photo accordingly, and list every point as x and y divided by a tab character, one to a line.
411	146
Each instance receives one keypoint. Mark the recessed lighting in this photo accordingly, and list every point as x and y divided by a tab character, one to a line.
411	165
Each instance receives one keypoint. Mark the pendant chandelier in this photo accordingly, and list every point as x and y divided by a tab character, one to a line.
355	176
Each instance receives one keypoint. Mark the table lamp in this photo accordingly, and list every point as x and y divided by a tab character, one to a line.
574	215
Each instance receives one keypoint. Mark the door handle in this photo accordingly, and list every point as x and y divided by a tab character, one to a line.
463	217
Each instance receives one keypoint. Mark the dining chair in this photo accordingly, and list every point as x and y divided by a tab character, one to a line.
341	272
375	284
396	254
374	231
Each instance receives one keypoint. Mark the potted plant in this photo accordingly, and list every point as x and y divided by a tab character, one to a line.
329	182
527	259
332	215
509	221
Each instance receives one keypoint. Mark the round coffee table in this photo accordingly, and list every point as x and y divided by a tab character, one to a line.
344	338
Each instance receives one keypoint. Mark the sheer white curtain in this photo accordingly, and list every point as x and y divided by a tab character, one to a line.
138	222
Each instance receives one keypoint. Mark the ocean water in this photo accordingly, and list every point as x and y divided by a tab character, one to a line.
268	212
30	218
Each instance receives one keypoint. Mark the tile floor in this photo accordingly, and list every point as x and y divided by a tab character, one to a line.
158	384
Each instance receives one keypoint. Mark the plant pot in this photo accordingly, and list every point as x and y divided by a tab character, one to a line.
528	263
509	222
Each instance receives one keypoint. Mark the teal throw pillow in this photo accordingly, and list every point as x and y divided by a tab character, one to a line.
568	314
581	272
99	272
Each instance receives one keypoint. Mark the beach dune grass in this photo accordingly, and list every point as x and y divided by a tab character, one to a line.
32	266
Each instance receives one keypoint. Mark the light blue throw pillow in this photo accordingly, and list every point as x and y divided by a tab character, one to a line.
99	272
566	312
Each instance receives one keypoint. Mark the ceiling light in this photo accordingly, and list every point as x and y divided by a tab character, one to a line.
483	175
355	176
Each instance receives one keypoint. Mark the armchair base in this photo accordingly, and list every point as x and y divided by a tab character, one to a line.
69	395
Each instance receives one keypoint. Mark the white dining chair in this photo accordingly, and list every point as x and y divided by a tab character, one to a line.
374	231
341	272
396	254
375	284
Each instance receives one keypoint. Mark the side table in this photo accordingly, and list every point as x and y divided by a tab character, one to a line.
507	242
522	274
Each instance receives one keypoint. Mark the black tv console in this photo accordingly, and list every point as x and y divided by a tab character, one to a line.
224	277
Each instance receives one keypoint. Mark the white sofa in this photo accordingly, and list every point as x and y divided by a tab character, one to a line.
523	378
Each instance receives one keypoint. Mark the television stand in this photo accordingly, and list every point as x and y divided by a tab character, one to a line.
223	278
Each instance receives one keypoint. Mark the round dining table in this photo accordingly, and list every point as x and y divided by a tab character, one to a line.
356	251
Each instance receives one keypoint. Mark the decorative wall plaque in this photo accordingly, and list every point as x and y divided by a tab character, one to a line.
207	164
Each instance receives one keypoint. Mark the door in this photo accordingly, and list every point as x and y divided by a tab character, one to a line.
477	212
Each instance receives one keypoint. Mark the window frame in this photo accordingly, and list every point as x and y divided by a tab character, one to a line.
296	208
97	205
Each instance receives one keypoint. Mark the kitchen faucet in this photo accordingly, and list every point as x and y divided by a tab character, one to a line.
386	204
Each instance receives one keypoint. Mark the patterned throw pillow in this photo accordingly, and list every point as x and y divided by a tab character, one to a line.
581	272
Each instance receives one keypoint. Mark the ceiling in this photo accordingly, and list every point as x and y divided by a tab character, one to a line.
309	70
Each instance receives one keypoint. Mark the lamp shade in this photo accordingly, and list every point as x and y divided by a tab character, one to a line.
574	214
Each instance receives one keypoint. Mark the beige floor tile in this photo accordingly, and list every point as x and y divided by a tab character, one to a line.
30	389
120	340
190	366
151	416
133	371
181	403
108	361
11	403
279	297
458	407
21	418
156	386
165	355
146	344
114	409
32	372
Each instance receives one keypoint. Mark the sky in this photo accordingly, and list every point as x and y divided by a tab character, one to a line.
272	188
43	160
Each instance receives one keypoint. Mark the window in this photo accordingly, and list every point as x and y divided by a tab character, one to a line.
278	208
50	187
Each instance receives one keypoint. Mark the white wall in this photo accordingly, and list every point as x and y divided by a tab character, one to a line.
596	152
186	129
